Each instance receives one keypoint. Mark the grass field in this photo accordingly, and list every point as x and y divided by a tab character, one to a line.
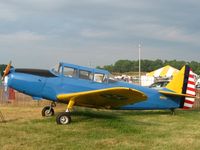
25	129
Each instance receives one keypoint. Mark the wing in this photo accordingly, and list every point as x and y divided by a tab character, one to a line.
104	98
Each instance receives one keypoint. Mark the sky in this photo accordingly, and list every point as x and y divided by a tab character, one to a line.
41	33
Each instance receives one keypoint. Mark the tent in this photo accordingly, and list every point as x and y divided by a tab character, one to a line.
167	71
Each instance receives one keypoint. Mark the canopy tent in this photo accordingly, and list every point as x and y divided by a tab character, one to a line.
167	71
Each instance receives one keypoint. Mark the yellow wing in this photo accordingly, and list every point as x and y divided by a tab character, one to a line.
104	98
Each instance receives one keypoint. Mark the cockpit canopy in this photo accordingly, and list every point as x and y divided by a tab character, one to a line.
75	71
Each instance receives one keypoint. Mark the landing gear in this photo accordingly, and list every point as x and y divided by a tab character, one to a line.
173	111
64	117
48	111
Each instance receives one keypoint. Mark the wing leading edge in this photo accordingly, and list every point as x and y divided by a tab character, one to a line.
104	98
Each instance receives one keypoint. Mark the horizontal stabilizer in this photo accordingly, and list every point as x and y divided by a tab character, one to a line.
176	94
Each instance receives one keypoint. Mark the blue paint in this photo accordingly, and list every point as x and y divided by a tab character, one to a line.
49	87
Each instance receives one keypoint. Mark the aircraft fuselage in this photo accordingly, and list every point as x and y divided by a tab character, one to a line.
47	85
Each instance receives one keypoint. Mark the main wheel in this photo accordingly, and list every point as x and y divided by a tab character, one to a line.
63	118
47	111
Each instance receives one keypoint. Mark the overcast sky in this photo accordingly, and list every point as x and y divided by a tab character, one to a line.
40	33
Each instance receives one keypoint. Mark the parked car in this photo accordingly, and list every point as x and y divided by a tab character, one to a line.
198	86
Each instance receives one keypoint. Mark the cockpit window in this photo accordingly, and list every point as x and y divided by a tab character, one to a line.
69	72
57	69
98	77
87	75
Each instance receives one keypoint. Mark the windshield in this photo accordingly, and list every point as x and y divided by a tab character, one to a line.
57	69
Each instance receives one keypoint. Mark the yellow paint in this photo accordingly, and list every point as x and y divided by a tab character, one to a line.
104	98
6	71
164	71
71	104
176	94
176	84
163	97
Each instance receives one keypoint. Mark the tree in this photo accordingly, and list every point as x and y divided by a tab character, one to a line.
149	65
122	66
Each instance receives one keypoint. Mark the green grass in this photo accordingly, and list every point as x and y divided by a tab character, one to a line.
93	129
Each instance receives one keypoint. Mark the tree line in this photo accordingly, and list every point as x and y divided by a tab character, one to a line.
122	66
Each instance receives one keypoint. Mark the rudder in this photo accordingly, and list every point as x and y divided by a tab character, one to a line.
184	83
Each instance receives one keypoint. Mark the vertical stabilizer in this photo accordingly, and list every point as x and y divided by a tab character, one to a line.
184	83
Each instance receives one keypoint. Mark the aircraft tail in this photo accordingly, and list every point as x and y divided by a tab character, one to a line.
184	83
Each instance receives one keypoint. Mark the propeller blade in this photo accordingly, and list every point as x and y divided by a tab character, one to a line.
6	71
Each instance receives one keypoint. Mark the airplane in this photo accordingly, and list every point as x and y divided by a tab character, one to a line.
77	85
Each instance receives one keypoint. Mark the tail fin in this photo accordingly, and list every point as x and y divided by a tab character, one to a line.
184	83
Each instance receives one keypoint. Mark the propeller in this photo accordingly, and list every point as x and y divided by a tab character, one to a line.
5	81
6	71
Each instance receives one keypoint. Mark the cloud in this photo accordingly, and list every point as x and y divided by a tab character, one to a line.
163	33
7	13
98	29
89	33
21	37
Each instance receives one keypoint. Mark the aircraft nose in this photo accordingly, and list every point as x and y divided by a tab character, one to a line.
8	80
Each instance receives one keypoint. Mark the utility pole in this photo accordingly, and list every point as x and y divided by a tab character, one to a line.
139	59
90	64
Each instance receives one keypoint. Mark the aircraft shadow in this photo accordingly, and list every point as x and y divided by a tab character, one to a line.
146	112
115	115
95	114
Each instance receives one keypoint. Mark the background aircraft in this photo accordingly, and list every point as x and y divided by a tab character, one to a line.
82	86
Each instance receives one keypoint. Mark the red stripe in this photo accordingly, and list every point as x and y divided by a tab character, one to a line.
191	76
185	107
189	102
191	82
190	89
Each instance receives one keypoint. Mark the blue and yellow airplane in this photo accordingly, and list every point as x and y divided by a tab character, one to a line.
76	85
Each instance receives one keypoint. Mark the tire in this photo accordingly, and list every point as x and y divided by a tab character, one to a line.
47	111
63	118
